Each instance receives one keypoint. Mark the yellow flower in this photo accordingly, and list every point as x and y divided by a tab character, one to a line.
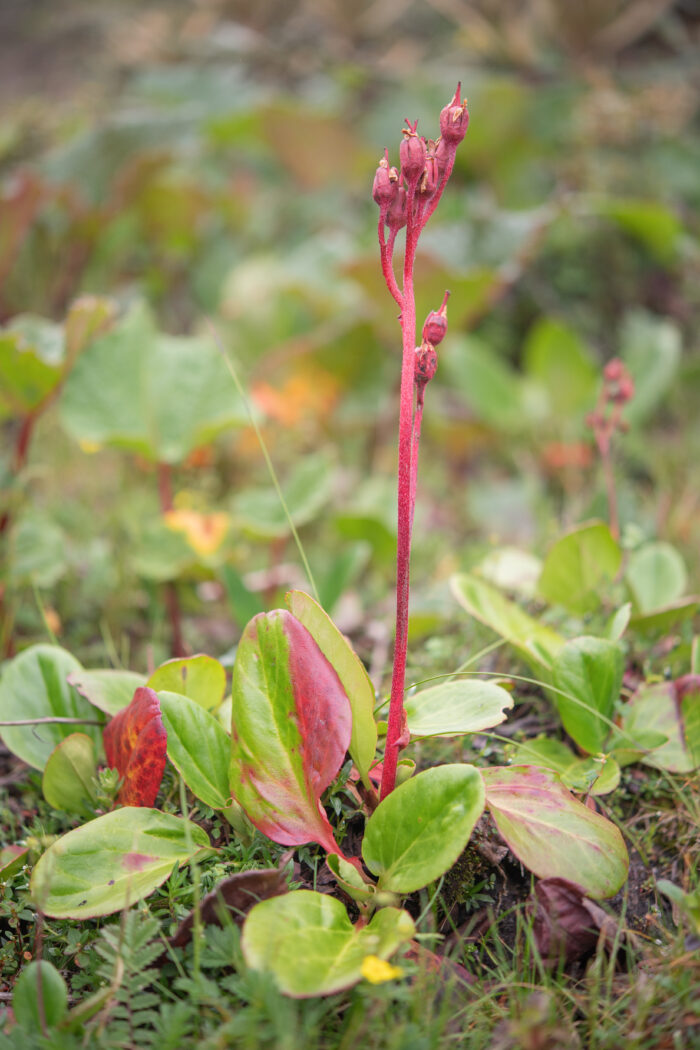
376	970
204	532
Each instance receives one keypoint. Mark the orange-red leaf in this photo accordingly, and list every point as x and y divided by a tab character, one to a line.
135	745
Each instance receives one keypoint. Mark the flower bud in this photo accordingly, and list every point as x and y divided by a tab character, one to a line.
435	327
412	153
426	363
454	119
386	180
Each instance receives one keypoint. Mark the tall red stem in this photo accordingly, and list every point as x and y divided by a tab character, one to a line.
403	548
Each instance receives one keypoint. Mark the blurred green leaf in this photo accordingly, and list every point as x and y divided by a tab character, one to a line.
656	576
157	395
651	349
578	566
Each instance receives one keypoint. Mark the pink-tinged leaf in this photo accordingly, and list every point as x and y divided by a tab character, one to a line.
135	745
552	833
290	730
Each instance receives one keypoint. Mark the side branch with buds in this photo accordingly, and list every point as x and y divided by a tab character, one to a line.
407	197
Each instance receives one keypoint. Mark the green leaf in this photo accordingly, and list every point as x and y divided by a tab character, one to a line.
552	833
536	643
38	551
418	831
490	386
667	618
657	709
649	221
201	678
198	747
39	978
559	360
68	781
687	902
578	567
306	492
112	862
109	691
454	708
290	729
31	364
590	671
34	685
349	879
598	775
153	394
690	714
656	576
651	349
307	942
351	672
618	622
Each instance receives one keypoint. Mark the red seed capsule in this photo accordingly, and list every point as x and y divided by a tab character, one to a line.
426	363
614	370
454	119
386	182
435	327
412	153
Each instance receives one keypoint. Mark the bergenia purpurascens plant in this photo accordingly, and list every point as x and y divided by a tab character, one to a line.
407	198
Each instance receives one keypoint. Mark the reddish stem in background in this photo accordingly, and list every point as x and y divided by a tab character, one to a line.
170	596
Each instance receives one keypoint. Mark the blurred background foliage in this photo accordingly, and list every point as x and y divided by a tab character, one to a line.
166	165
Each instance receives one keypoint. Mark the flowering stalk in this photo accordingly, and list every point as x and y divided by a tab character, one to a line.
408	198
617	390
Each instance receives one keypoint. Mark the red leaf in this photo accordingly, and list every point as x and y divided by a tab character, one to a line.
291	726
135	745
566	924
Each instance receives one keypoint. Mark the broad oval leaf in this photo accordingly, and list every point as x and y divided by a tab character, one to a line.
109	690
589	670
135	745
68	781
39	974
537	644
290	729
418	831
307	942
351	672
154	394
656	576
34	685
198	747
112	862
578	566
453	708
552	833
201	678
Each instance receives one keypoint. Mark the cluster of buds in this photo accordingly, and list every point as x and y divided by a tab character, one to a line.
434	331
426	165
617	390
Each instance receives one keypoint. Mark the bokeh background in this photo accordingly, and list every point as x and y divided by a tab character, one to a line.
183	164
